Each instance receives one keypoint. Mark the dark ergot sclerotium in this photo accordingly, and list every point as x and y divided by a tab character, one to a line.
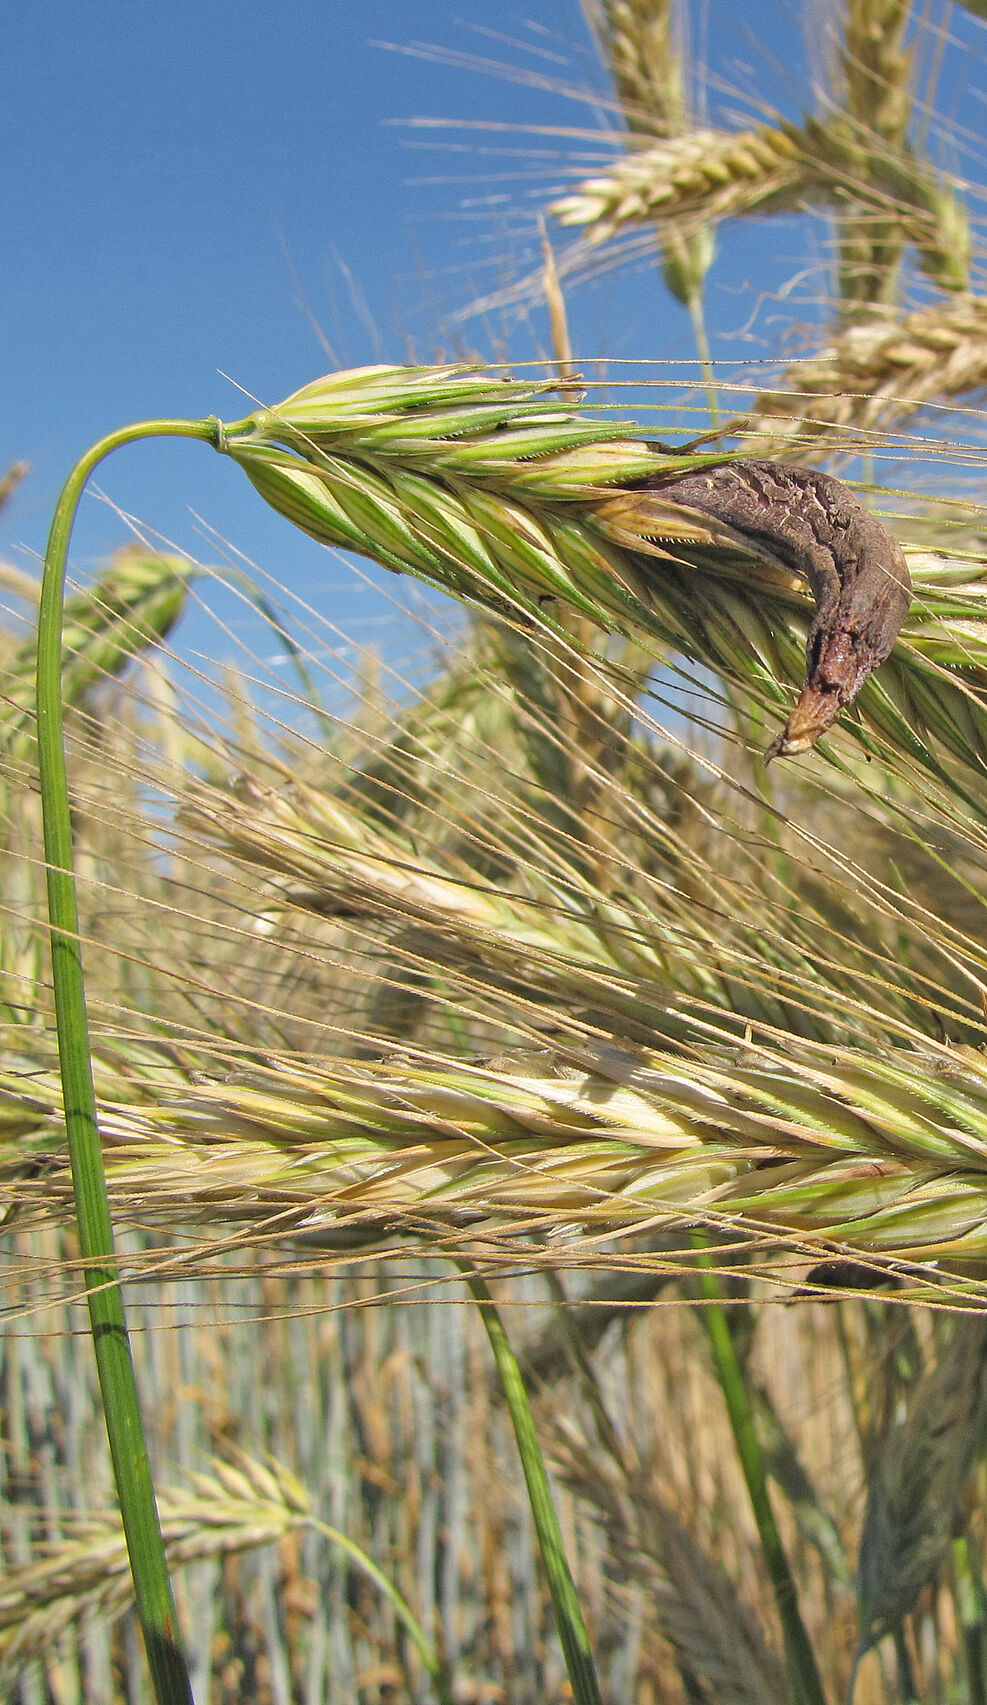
813	525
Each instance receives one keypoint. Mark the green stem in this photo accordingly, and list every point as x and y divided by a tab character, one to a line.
429	1657
118	1386
568	1616
807	1685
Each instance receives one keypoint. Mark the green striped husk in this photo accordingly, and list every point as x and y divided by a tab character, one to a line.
488	491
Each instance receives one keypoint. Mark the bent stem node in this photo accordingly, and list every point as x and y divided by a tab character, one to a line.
118	1385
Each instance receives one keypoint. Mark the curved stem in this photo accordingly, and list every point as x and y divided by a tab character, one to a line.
433	1664
118	1386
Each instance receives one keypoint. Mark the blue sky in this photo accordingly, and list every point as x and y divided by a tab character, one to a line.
230	189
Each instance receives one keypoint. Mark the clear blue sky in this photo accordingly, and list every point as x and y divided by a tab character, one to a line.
196	189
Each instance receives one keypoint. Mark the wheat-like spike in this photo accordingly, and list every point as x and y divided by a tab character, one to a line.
235	1508
874	88
328	853
641	40
134	604
579	941
877	66
706	174
487	490
900	195
884	1154
871	377
717	174
640	44
326	859
916	1479
714	1635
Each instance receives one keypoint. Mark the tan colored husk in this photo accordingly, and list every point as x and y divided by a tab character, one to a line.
707	173
879	1155
235	1508
871	377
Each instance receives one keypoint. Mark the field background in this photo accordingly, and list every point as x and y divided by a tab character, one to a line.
514	951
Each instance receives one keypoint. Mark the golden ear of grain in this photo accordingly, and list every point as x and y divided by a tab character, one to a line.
876	65
234	1508
642	43
873	376
714	174
872	88
709	174
132	606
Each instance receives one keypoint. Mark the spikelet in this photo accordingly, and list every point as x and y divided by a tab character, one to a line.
709	174
235	1508
873	376
641	42
133	605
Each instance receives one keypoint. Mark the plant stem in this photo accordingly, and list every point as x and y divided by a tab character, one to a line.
433	1664
568	1616
804	1672
118	1386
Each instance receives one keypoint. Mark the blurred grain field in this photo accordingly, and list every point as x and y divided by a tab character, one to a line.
535	965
